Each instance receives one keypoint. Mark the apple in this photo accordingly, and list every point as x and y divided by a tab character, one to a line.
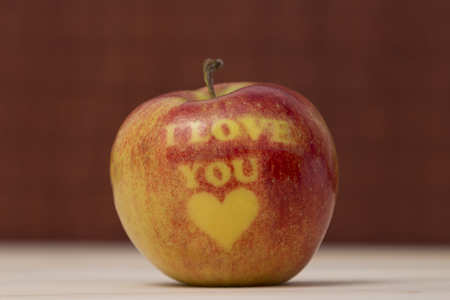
236	189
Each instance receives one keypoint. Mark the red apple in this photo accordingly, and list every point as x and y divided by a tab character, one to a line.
235	190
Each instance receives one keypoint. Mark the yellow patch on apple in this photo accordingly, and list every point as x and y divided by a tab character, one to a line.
280	131
224	169
224	222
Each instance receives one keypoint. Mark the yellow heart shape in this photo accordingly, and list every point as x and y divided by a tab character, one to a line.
224	222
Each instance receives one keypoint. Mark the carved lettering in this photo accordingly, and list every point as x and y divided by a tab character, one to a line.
189	174
232	126
219	173
239	171
279	131
224	170
254	127
170	134
195	133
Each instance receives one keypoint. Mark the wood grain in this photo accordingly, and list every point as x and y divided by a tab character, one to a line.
118	271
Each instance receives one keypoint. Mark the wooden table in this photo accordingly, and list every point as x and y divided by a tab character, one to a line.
118	271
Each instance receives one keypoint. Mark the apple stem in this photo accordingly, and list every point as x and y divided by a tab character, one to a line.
209	66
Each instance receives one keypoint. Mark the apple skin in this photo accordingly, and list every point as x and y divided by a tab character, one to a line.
238	190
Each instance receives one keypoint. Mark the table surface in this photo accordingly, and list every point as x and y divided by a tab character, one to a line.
118	271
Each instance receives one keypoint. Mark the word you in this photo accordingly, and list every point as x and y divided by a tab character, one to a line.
219	173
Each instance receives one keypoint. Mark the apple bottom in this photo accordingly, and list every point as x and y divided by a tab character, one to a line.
293	213
263	255
262	267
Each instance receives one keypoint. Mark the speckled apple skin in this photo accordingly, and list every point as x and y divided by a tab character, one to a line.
295	187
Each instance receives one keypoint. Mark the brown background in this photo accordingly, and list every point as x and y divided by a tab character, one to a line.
378	70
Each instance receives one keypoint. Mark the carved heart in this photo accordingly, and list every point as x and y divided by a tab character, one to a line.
224	222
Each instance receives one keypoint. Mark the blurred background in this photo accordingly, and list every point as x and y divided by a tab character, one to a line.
377	70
